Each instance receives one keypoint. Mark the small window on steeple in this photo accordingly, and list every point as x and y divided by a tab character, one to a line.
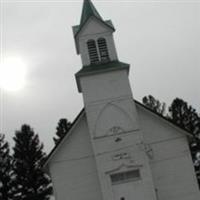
92	50
103	49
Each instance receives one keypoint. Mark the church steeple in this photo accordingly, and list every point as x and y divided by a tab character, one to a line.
111	113
95	43
88	11
94	37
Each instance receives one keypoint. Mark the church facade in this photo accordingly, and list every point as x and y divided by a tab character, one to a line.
117	149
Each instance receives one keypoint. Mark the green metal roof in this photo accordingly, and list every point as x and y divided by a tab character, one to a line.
88	11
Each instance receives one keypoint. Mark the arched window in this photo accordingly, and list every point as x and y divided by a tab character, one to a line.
92	50
103	49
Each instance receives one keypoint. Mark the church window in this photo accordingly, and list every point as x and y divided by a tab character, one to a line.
103	49
125	176
92	50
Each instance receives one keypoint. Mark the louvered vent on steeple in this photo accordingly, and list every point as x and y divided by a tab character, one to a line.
92	50
103	49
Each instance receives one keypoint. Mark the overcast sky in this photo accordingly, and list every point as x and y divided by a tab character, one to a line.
160	39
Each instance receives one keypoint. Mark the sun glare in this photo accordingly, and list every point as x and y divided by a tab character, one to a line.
12	74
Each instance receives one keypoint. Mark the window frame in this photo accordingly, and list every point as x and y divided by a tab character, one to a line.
125	176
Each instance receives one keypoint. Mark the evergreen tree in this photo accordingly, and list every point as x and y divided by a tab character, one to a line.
62	129
195	151
187	118
154	104
31	183
5	170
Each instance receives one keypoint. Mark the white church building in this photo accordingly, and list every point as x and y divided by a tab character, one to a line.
117	149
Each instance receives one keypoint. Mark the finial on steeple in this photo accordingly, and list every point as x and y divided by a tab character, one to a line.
88	11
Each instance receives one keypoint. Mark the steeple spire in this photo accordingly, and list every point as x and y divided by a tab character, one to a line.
88	11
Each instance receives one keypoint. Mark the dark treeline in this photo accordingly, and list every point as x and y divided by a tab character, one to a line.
184	116
22	176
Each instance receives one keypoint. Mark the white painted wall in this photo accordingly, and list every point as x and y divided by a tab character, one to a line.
107	149
108	101
172	168
105	86
73	167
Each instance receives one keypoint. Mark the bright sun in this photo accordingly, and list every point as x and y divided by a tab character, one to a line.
12	74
